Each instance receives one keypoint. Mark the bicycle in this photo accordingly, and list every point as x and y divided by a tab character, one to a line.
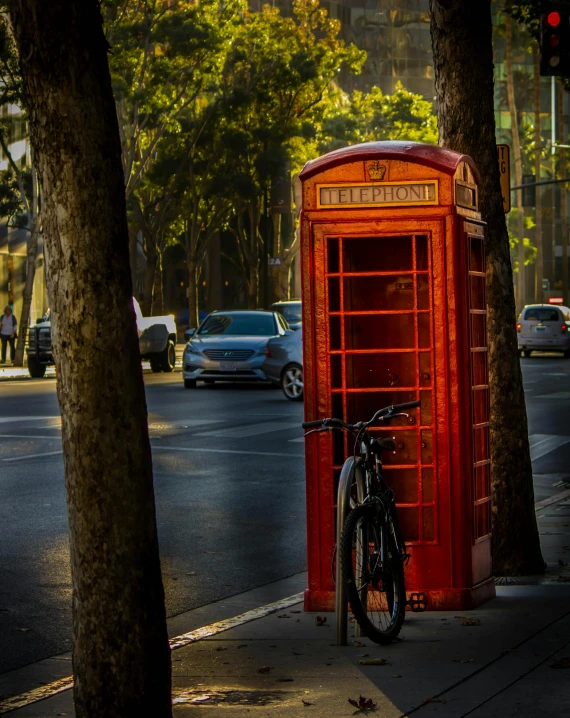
371	545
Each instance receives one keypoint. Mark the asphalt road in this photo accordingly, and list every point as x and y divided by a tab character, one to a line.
229	484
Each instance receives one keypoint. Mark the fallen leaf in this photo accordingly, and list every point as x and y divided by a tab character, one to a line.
285	680
264	669
24	630
320	620
221	648
297	654
562	663
296	612
242	645
396	675
307	703
432	700
469	621
359	644
374	662
463	660
284	615
363	704
190	573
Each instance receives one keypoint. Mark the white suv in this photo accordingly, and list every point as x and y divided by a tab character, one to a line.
544	327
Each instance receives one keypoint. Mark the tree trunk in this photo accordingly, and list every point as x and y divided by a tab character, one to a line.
463	62
562	170
539	264
149	279
158	288
32	254
193	321
252	286
121	657
517	162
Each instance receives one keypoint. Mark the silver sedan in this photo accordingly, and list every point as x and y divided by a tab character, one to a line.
230	346
284	364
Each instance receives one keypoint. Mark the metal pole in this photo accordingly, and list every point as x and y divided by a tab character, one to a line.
350	471
553	114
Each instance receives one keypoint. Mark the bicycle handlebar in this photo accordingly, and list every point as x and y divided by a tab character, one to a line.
387	412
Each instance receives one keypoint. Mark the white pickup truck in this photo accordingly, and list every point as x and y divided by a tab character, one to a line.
157	342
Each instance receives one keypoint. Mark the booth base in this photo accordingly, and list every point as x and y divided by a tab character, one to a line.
445	599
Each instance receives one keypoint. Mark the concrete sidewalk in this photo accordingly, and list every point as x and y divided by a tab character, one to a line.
514	660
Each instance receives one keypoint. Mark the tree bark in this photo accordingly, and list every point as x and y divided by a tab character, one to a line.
539	264
193	320
121	657
517	161
32	255
463	63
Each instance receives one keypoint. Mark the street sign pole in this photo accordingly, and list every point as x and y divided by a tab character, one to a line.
504	159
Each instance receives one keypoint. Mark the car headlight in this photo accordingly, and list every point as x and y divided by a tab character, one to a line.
191	349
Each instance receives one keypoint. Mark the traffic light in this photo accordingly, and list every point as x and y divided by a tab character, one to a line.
555	42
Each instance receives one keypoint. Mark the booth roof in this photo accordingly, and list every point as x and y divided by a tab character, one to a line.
438	158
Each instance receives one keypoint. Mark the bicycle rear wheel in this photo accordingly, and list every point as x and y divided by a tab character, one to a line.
376	591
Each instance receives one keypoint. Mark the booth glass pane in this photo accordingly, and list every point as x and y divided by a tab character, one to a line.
478	331
482	482
480	406
476	255
426	447
425	368
336	407
377	254
428	523
427	485
380	371
378	293
422	262
406	449
380	331
334	294
482	520
332	256
362	405
408	520
425	408
337	447
336	371
477	288
334	333
423	291
479	368
481	444
424	333
405	484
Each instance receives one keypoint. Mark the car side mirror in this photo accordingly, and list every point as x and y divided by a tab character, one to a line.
288	332
189	333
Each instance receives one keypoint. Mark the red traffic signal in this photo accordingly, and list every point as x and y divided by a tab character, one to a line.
555	43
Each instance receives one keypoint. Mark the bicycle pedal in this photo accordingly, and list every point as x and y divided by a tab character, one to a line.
418	602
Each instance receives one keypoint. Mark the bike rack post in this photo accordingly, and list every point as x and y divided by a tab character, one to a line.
351	466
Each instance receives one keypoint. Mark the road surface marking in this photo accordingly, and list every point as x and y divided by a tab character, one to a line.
300	440
225	451
29	436
9	419
554	395
542	444
32	456
182	424
185	639
557	498
241	432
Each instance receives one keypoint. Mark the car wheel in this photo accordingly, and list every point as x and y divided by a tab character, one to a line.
168	357
292	382
209	381
527	352
567	355
35	369
189	383
155	363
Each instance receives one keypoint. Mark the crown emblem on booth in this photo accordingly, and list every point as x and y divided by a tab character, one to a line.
376	170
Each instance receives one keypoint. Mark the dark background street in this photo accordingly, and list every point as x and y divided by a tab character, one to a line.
229	483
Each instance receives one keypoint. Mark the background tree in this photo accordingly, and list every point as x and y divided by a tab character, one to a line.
121	656
463	63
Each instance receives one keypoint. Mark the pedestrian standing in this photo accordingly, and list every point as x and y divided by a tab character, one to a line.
8	333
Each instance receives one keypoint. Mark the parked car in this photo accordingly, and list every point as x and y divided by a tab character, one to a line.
157	342
230	346
544	327
283	364
291	310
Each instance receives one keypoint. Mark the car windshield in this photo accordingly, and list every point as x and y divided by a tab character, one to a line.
291	312
252	325
541	314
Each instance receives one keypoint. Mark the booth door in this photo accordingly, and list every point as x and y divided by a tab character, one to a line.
375	344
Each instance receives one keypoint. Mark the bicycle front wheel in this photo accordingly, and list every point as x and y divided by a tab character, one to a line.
375	588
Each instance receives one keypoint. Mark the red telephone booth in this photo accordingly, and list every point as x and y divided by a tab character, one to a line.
394	310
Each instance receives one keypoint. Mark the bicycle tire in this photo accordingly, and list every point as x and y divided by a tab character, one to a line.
378	600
